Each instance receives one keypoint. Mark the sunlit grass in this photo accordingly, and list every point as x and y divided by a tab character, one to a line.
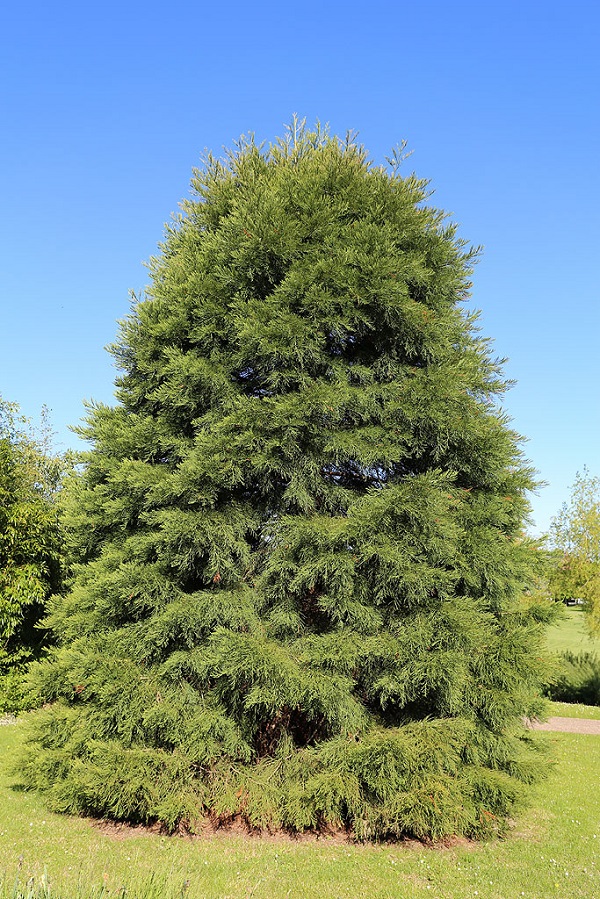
552	851
574	710
570	634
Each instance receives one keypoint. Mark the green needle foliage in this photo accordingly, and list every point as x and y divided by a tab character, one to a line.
299	563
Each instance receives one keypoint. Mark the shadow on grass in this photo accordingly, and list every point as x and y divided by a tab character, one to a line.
576	679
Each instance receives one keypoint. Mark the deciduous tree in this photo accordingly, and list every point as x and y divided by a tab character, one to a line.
29	546
575	535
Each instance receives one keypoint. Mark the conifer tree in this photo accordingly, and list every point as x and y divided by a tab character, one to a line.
299	562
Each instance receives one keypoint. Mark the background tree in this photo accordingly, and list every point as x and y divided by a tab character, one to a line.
29	545
575	536
299	562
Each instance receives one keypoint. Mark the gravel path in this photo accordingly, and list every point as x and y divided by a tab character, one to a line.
568	725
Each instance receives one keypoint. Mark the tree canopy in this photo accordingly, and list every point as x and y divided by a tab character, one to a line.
299	563
29	544
575	535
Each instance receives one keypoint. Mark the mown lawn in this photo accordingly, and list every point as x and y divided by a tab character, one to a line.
574	710
553	851
571	634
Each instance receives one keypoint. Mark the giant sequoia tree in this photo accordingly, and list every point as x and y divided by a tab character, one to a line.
298	540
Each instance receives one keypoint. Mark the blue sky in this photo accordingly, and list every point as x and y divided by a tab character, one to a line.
105	109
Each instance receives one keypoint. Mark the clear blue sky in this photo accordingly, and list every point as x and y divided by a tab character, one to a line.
106	107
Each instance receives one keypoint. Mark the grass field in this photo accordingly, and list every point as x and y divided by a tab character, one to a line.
553	851
575	710
570	634
575	675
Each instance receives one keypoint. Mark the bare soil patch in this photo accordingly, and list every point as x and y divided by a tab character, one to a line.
213	829
209	828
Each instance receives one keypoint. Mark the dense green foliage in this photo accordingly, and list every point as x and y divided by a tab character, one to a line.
29	548
575	536
300	591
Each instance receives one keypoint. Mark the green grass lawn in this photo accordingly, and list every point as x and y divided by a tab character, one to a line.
553	851
570	634
575	679
574	710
